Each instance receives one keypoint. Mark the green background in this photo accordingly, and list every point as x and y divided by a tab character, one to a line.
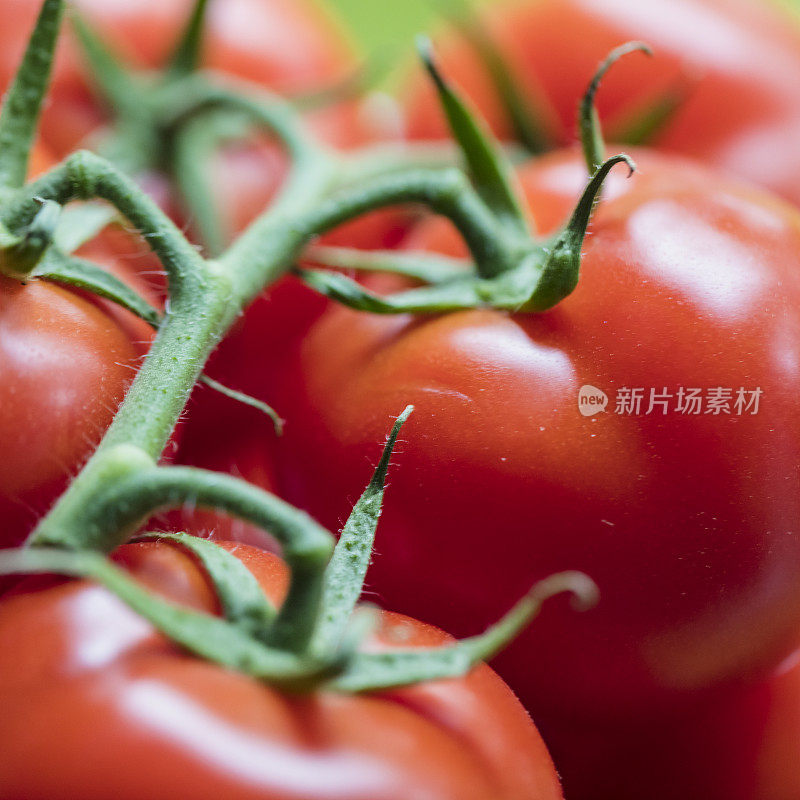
379	25
384	26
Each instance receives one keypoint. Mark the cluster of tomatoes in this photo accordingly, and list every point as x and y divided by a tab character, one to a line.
681	682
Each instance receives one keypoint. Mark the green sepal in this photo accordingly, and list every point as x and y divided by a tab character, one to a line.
22	107
395	668
195	146
20	259
591	133
490	173
187	55
542	277
345	670
562	266
468	292
642	126
345	573
204	635
82	274
115	83
240	595
420	266
80	223
527	122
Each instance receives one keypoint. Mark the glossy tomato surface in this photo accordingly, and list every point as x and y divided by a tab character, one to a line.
139	718
738	61
687	521
66	360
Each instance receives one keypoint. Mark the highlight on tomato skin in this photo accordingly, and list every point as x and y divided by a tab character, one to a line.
154	722
734	64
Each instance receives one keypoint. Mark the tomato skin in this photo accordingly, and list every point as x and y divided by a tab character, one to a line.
741	60
157	723
66	360
686	281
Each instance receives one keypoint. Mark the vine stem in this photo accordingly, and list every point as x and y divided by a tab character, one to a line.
117	512
206	297
447	192
122	485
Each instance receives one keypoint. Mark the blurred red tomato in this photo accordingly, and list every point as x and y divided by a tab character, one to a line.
288	45
739	58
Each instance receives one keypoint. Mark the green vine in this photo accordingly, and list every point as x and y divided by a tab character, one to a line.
315	636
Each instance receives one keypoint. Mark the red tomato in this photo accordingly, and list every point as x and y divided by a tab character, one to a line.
741	59
136	717
686	522
66	360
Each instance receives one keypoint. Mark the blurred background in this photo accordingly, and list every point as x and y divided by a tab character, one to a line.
381	24
388	27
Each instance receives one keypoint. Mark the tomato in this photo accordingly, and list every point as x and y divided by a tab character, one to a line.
66	360
686	522
739	59
154	722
